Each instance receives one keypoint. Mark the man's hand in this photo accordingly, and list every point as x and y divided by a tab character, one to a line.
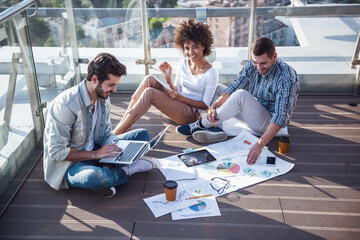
256	150
220	101
105	151
108	150
254	153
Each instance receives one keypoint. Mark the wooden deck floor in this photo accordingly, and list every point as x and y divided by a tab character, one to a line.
318	199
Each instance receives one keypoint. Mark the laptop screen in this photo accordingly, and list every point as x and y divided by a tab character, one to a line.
157	138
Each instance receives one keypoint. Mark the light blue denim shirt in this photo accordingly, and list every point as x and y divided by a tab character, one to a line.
68	125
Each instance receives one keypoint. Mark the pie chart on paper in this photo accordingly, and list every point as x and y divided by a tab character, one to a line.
198	207
228	168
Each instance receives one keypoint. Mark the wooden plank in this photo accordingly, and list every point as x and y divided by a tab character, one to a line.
74	229
318	199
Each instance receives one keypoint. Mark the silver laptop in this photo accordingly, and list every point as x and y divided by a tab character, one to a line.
133	150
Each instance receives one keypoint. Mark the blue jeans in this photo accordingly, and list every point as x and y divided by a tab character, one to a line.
92	174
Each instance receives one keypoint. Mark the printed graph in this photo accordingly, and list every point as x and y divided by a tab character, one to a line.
228	168
198	207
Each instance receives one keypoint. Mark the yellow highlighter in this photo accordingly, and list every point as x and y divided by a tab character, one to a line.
211	114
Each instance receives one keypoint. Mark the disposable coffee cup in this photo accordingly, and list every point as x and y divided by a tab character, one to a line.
284	144
170	188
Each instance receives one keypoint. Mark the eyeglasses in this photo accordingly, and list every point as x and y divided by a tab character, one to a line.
216	181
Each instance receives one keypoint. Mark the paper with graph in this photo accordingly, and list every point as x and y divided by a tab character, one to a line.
230	171
231	164
205	207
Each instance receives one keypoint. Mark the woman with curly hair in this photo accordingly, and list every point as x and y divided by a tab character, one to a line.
194	85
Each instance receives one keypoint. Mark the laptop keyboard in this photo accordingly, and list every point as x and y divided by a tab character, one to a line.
129	152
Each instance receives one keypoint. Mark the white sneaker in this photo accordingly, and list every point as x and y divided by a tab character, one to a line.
141	165
210	135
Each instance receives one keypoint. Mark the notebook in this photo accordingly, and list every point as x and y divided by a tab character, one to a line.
133	150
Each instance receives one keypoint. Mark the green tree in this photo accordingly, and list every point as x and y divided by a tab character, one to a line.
130	3
39	31
93	43
52	3
157	23
79	31
50	43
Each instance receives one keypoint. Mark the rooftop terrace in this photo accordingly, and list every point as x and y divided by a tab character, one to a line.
318	199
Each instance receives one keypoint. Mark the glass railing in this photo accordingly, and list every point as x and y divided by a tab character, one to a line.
307	37
44	50
21	117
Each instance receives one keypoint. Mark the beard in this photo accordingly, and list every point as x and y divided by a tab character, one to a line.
101	93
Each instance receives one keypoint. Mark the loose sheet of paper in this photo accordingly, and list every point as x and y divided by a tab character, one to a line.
159	206
165	84
180	173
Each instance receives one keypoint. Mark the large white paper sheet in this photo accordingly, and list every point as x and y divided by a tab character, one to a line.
228	173
231	165
205	207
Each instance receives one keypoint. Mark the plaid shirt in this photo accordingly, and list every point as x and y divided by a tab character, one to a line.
277	90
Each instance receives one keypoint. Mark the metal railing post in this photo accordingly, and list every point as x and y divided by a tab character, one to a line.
65	28
22	30
357	82
11	88
355	63
252	26
73	39
16	9
146	37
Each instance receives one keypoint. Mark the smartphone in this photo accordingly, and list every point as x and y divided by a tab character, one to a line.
270	161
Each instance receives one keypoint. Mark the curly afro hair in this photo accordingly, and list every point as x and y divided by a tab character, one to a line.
196	31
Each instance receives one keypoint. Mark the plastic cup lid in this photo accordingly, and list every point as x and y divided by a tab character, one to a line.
284	139
170	184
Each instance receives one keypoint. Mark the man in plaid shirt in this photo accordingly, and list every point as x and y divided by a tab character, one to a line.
273	87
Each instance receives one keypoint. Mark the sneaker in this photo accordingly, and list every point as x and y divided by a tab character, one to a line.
108	192
214	134
141	165
189	129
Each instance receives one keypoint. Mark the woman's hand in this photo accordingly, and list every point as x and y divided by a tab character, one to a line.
174	95
166	69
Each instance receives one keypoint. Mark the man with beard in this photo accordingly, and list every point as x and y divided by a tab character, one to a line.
78	133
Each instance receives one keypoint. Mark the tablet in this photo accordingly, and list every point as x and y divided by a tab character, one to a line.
196	157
